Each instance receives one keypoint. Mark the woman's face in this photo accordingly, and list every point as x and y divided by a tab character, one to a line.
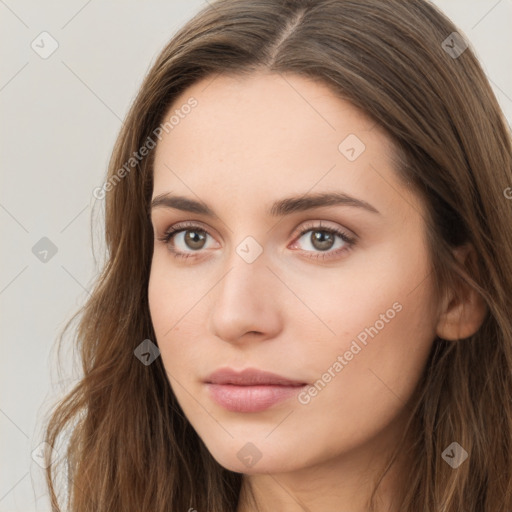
331	293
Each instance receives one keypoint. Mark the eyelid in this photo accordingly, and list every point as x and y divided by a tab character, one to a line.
191	224
321	225
296	232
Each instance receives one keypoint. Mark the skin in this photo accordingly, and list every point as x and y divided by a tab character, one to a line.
249	142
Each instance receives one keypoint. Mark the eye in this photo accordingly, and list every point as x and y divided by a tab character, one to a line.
324	242
188	239
185	238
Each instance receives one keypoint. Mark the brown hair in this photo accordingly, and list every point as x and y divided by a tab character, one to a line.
131	447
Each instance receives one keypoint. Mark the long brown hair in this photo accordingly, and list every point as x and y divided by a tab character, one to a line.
131	447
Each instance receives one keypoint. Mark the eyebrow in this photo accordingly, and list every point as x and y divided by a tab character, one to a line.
279	208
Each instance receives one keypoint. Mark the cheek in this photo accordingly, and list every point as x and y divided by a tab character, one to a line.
384	337
369	288
160	297
174	306
170	294
382	313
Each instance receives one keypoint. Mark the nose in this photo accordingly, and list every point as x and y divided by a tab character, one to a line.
245	303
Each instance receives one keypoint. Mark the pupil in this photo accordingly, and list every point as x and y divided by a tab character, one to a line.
322	240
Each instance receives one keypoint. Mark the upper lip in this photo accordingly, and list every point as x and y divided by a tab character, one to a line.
249	377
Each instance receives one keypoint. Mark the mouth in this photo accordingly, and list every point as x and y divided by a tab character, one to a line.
250	390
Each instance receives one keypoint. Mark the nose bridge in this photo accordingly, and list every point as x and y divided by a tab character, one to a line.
242	301
247	273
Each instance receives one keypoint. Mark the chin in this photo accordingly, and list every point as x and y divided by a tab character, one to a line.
250	460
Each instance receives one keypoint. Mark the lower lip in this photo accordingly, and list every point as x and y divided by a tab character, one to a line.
250	398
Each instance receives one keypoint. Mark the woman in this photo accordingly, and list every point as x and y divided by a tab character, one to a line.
306	304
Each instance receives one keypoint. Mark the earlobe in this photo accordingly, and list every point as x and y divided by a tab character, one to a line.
462	311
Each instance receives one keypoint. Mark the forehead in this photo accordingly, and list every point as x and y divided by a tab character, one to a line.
262	110
266	133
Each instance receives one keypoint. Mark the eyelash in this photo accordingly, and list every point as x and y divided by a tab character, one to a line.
185	226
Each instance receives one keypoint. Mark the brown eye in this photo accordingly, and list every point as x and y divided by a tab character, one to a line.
323	239
319	241
187	240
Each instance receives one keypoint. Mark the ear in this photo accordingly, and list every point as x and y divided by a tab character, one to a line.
462	310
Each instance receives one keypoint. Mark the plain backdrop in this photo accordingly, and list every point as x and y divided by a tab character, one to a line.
60	116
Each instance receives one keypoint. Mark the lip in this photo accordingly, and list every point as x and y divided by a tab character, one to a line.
250	390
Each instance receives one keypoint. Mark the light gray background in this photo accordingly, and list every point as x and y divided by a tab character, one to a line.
60	117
